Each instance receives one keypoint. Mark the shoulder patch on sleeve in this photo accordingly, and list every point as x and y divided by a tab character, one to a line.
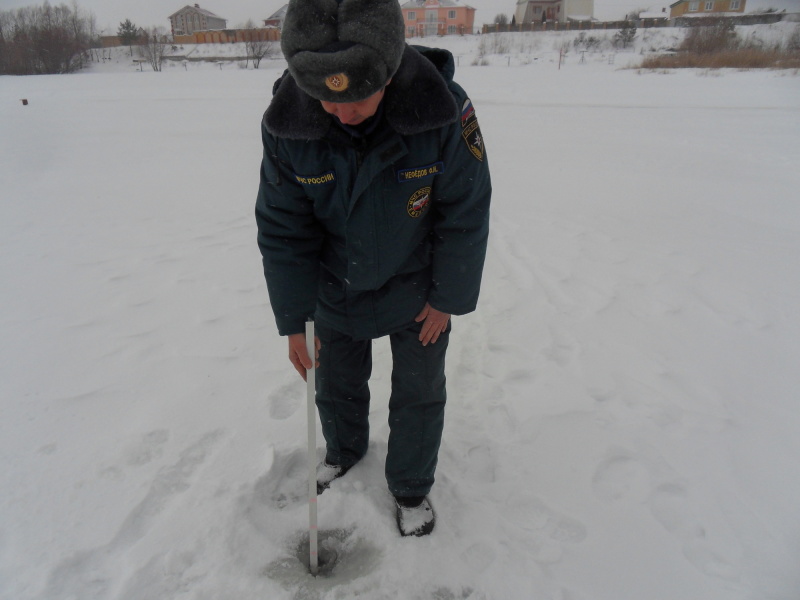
470	130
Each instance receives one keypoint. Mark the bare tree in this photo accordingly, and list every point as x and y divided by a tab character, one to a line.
633	15
257	49
5	32
155	47
94	36
45	39
82	26
624	37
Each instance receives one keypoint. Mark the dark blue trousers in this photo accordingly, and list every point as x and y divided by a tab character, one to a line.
416	405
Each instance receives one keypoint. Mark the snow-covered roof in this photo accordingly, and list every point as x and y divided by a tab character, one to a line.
196	8
653	15
444	3
539	1
279	14
706	15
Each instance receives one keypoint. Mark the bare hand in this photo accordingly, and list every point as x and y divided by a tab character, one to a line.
435	324
298	354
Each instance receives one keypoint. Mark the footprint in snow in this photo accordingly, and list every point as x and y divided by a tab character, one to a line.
147	448
170	482
89	573
621	477
670	506
479	557
284	401
48	449
481	466
139	452
285	484
531	514
443	593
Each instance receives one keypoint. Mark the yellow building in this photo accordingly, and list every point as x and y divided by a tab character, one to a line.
690	8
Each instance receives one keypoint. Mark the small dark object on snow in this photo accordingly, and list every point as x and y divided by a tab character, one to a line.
24	102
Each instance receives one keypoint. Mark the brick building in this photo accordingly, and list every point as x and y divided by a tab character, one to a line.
548	11
193	18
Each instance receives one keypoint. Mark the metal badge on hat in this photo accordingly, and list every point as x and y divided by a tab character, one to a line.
338	82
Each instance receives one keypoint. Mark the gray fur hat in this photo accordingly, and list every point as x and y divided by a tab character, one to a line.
343	50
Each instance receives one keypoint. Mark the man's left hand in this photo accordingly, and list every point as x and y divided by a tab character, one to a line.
435	324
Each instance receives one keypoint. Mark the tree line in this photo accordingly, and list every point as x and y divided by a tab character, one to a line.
40	40
47	39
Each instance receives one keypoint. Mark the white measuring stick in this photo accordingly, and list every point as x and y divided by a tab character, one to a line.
312	451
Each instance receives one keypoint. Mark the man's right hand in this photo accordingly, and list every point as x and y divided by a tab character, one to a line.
298	354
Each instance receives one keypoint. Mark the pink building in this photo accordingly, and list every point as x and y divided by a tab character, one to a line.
437	17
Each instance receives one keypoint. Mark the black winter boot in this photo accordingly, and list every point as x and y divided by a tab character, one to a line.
326	474
415	515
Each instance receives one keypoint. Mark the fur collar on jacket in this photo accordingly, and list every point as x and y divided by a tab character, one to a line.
417	100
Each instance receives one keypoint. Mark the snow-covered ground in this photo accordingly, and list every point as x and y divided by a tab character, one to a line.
622	420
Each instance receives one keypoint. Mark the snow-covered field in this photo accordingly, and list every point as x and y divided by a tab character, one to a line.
623	417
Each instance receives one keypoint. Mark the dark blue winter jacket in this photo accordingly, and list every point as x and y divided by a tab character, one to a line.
361	232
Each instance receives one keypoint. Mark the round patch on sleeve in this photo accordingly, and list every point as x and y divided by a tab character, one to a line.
419	201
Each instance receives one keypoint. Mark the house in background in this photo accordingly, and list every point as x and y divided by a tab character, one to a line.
540	11
650	15
650	18
193	18
276	19
437	17
705	8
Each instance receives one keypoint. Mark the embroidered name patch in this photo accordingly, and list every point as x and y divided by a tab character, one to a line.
419	202
328	177
470	130
418	173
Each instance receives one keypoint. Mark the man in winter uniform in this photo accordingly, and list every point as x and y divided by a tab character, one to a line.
373	216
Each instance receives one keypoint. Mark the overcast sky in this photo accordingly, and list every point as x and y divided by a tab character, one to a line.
147	13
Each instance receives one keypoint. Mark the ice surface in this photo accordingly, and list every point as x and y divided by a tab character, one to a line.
622	415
